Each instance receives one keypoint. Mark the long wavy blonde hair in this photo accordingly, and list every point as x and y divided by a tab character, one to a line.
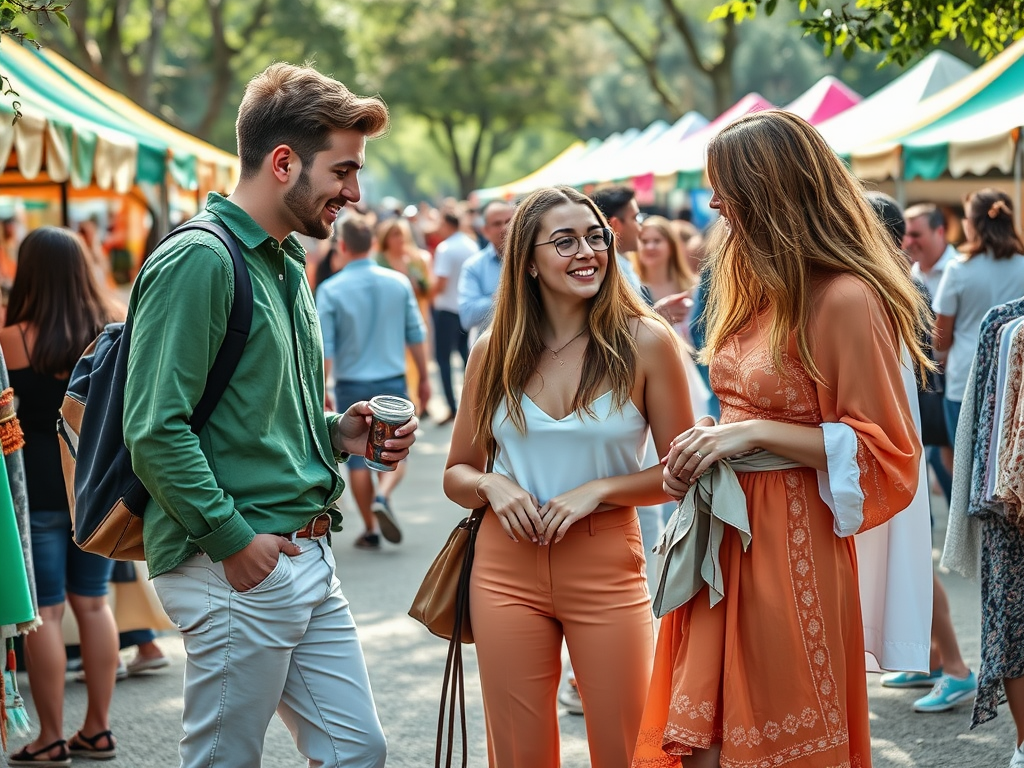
796	215
678	269
515	345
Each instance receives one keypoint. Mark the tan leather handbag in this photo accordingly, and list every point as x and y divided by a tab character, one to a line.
442	606
442	602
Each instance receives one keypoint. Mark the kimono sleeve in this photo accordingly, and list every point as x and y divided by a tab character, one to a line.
871	443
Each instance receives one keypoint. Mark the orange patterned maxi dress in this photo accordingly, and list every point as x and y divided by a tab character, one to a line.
775	672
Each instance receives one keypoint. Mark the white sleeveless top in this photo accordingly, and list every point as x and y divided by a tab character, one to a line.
557	455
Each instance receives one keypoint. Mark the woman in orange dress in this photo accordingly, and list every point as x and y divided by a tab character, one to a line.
810	311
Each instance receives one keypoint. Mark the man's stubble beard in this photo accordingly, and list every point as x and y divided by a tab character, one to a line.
301	201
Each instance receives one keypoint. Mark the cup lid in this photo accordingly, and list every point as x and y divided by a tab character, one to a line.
392	408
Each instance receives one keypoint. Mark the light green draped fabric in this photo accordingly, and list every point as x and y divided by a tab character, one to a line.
689	547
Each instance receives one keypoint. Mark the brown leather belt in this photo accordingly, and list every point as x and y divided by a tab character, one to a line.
316	528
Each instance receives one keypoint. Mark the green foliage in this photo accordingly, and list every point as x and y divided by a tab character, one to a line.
900	28
476	72
14	16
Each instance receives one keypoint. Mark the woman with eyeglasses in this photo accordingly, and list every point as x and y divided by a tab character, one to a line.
562	390
810	313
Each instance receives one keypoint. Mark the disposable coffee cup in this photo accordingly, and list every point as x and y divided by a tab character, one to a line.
389	413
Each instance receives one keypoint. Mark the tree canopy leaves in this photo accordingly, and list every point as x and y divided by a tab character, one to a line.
899	28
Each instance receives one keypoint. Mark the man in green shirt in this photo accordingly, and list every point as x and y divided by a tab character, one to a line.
236	532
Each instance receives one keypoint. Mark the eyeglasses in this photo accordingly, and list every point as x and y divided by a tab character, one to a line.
569	245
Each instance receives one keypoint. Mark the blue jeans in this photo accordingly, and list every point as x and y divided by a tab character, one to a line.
951	410
59	564
449	337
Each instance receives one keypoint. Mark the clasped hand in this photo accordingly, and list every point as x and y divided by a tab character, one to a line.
694	451
523	517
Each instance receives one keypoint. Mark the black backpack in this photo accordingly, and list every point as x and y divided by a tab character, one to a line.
107	499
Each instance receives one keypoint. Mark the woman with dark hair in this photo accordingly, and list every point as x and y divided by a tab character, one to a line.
562	391
54	313
809	308
990	273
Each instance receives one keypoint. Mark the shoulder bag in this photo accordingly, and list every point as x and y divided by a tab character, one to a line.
442	606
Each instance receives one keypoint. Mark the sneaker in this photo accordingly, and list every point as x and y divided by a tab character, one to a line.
143	666
911	679
368	540
1017	761
947	693
386	519
569	697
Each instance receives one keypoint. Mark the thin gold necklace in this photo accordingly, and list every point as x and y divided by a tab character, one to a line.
554	352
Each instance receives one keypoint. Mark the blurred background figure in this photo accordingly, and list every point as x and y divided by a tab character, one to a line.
449	337
56	309
397	250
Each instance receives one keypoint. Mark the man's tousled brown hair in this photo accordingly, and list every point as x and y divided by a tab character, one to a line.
299	107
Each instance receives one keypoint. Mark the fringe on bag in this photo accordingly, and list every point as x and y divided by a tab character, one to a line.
13	715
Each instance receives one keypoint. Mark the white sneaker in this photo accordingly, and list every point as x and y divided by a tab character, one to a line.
569	697
1017	761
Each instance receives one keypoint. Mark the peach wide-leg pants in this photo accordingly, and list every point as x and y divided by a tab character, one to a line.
590	588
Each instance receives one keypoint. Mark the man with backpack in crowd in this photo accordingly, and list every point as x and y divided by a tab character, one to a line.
236	535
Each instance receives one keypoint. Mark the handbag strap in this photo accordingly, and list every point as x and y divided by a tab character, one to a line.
453	688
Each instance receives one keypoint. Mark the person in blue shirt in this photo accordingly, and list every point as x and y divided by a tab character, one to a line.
478	279
368	316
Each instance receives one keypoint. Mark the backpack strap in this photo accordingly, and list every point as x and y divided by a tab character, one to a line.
239	322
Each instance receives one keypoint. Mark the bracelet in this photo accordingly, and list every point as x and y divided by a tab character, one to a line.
477	488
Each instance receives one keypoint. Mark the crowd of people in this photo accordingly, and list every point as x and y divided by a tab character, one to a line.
618	369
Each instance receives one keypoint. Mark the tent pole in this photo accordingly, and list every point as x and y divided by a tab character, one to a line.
65	216
165	208
1017	172
900	187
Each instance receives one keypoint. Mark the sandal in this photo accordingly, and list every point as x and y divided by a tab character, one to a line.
88	746
41	757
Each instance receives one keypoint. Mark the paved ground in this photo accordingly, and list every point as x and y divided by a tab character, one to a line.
406	663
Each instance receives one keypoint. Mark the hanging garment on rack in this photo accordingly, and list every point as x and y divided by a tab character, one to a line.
985	374
1002	359
982	539
1009	459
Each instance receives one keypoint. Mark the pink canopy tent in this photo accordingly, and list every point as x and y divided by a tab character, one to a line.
826	98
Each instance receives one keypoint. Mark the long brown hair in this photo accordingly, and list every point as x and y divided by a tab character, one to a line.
991	215
796	215
386	227
55	292
515	345
678	269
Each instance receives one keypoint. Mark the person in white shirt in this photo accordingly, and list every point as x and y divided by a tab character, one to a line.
991	272
449	337
926	245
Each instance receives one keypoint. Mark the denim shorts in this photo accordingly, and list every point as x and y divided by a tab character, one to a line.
346	393
59	564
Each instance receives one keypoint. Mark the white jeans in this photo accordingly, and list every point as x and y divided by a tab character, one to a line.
290	645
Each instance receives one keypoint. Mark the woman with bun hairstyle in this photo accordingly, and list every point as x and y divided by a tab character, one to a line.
991	272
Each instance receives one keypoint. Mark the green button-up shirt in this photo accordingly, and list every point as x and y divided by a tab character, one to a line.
264	462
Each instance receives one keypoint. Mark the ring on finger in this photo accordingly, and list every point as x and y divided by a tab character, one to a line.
699	455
